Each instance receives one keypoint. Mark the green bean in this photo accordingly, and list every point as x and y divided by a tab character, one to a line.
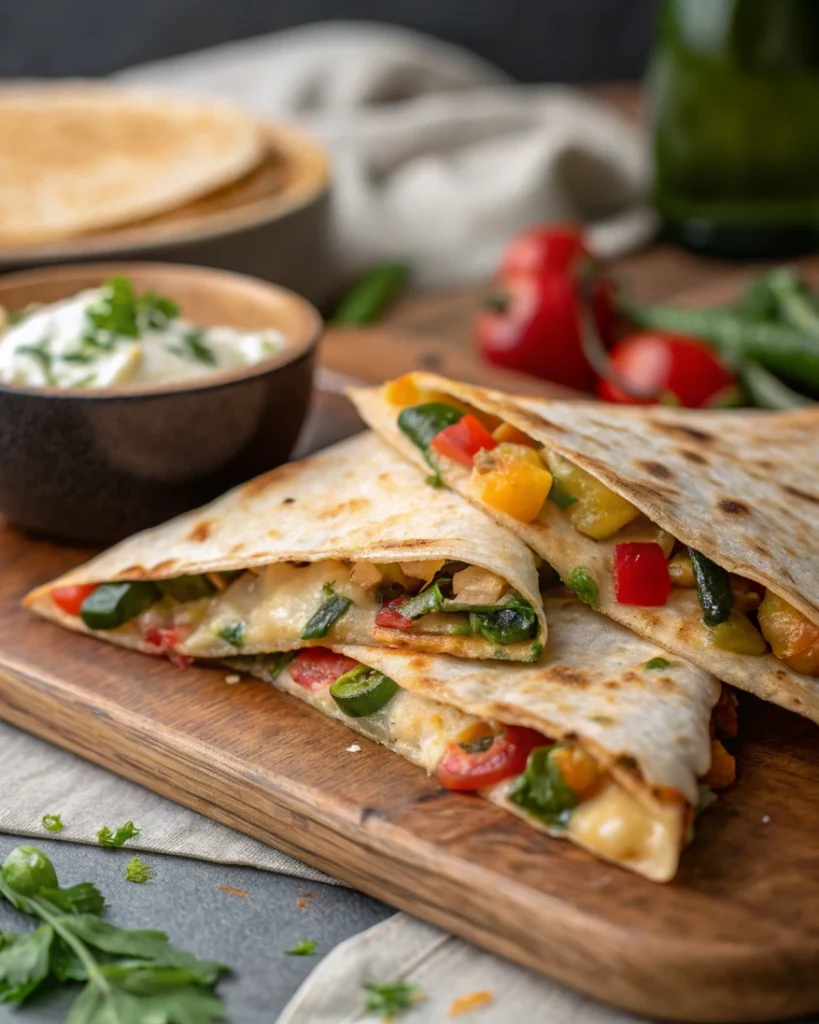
369	297
778	347
767	392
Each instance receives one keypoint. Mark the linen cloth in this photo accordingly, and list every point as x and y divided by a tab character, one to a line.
445	969
438	156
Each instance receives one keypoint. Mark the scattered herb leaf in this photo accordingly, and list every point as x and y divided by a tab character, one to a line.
52	823
195	347
41	355
657	663
129	977
138	871
390	998
306	947
111	840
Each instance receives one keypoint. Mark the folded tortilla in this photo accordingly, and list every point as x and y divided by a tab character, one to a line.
741	488
633	726
316	551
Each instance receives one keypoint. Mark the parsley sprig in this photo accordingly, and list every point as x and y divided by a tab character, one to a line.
121	311
128	976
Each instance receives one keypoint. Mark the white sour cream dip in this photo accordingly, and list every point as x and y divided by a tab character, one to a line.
110	337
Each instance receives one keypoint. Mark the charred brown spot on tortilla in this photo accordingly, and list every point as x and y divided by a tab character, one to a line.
733	507
351	507
630	677
690	432
234	549
612	684
570	676
288	501
201	531
657	469
694	457
260	484
797	493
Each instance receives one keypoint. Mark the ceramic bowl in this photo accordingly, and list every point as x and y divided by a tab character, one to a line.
92	467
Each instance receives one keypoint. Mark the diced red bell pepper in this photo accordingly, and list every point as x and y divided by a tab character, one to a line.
390	616
317	667
484	760
70	599
641	574
165	639
463	440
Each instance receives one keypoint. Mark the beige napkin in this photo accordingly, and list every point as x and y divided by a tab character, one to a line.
438	156
40	779
446	969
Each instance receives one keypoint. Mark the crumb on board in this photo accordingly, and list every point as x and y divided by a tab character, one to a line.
471	1001
233	892
233	678
304	900
353	748
765	819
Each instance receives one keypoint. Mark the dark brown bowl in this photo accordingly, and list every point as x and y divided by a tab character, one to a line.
94	467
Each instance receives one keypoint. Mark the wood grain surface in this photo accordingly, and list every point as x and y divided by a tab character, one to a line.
735	937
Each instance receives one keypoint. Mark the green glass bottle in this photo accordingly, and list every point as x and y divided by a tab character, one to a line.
734	97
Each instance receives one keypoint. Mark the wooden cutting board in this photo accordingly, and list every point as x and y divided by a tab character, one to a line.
735	937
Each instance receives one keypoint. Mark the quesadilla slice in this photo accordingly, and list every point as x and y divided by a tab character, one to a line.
699	530
347	546
605	742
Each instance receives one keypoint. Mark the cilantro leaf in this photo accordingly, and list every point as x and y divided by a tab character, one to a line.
657	663
52	823
24	962
109	839
120	311
130	977
233	633
195	347
389	998
306	947
137	871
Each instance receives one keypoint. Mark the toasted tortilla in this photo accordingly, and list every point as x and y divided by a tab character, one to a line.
82	156
647	727
741	487
300	527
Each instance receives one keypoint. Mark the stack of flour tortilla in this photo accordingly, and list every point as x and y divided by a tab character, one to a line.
81	157
495	651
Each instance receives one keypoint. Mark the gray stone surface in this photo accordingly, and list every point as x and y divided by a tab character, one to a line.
250	934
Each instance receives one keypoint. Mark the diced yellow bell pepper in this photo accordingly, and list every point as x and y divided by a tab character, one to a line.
794	639
580	773
597	512
512	479
402	391
723	770
506	432
738	635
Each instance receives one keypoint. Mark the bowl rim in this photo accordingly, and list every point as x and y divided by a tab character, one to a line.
296	143
292	352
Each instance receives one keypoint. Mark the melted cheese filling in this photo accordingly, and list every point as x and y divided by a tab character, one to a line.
613	824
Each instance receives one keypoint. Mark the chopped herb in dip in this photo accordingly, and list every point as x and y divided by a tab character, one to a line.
115	337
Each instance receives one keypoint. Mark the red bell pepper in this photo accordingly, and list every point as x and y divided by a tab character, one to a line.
463	440
390	616
484	760
641	574
70	599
